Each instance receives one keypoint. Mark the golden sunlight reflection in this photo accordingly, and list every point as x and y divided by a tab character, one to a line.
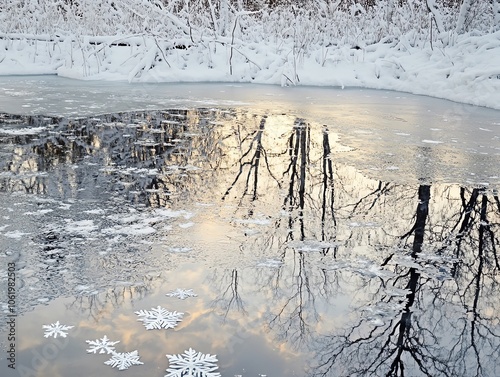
300	260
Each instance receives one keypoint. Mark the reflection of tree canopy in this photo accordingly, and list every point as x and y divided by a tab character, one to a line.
99	162
446	325
428	279
226	282
252	166
146	154
97	306
420	264
267	164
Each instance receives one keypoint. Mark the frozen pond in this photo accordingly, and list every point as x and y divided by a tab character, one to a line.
325	232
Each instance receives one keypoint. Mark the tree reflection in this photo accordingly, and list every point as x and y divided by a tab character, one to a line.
298	149
308	177
419	264
431	334
477	280
99	305
229	298
411	323
141	154
328	194
85	171
255	157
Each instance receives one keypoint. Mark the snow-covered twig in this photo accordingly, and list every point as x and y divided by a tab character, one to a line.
232	47
162	53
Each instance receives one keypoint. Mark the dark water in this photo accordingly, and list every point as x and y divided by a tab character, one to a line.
314	251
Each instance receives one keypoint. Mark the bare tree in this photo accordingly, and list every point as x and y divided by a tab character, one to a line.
465	10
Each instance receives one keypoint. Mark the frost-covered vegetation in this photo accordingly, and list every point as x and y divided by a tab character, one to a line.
308	23
394	44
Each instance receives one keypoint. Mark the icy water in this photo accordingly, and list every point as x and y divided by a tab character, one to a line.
325	232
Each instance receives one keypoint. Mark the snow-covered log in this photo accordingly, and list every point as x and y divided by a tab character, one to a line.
34	37
135	40
92	40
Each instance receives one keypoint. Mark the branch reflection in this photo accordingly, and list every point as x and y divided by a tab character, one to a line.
364	276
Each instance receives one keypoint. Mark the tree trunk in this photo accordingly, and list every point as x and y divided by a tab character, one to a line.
496	15
465	9
436	15
223	17
391	6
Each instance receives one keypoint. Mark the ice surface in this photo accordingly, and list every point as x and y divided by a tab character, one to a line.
324	249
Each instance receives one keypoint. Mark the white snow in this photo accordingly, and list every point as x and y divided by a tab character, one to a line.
179	250
166	212
317	45
98	211
310	245
82	227
270	263
23	131
427	141
381	312
256	221
182	294
39	212
15	234
368	224
132	230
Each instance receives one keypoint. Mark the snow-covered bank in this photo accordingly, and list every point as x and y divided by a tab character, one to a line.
467	71
445	51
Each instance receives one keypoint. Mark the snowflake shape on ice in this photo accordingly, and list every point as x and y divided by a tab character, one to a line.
192	363
159	318
124	360
55	329
103	345
182	293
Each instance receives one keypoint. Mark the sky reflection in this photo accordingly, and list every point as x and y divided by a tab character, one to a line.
303	264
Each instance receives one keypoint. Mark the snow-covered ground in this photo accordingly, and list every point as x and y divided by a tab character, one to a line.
286	47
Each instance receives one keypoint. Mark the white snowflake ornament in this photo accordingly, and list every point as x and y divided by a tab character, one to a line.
182	293
103	345
124	360
159	318
192	363
56	329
